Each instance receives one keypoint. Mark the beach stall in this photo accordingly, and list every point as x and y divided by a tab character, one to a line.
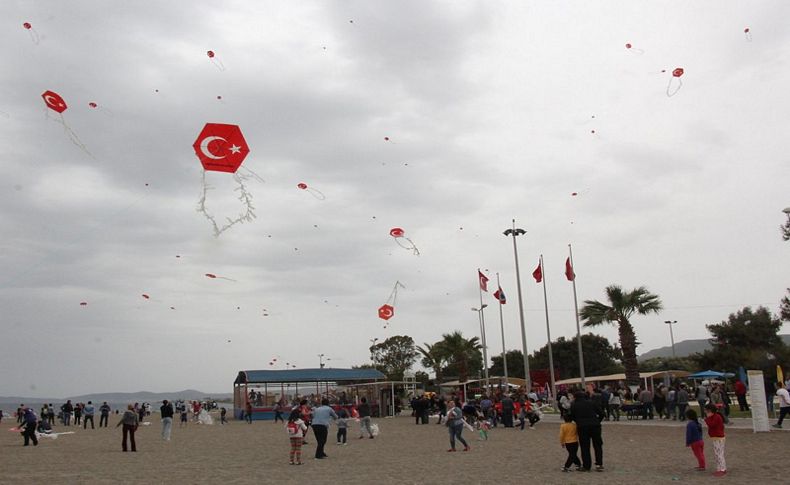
648	378
263	389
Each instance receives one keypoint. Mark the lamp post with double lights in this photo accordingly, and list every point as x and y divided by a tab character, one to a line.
483	341
520	232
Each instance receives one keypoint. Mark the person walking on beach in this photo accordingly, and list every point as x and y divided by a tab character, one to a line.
278	411
296	430
694	439
89	411
455	424
784	403
588	418
364	418
222	415
569	439
715	423
29	424
104	410
322	417
130	421
167	419
342	427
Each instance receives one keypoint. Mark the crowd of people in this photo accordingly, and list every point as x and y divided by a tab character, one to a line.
582	413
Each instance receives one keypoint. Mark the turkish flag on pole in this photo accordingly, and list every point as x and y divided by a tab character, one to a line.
569	270
483	281
538	274
500	295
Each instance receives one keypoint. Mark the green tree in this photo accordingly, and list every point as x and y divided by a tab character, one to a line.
622	305
432	358
515	364
462	356
394	356
668	363
600	356
784	307
747	338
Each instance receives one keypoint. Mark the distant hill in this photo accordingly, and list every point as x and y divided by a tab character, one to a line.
686	348
116	399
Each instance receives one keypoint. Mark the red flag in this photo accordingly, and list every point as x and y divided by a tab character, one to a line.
500	295
483	281
538	274
569	270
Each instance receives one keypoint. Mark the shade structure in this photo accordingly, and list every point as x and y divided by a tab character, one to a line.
710	374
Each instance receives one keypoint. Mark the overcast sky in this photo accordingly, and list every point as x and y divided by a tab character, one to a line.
494	110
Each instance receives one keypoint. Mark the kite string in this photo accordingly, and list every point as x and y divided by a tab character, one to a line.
70	133
393	298
413	246
244	196
680	85
316	193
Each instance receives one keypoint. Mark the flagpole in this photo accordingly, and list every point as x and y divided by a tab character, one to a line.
483	332
502	330
548	331
517	232
578	329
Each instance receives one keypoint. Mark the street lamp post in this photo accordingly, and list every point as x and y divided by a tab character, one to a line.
321	360
671	335
520	232
483	342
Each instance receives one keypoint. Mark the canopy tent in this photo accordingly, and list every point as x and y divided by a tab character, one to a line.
278	385
644	376
711	374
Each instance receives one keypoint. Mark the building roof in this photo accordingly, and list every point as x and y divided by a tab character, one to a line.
307	375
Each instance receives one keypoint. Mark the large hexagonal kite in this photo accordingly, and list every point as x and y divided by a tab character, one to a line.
221	147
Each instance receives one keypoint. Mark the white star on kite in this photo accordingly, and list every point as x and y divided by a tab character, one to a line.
235	149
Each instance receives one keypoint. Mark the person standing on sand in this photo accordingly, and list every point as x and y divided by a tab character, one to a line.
104	410
694	439
167	419
89	411
683	402
322	416
715	423
740	394
130	421
507	411
296	430
588	416
364	418
67	409
29	422
184	412
248	412
278	411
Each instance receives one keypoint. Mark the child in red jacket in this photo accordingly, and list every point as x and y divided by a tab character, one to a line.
715	424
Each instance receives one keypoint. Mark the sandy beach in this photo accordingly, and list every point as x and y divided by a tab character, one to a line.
403	453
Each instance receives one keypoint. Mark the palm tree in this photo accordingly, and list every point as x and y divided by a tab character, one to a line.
460	354
622	306
432	358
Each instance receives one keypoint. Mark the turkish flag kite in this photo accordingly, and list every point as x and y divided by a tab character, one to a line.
54	101
569	270
500	295
538	274
221	147
483	281
386	312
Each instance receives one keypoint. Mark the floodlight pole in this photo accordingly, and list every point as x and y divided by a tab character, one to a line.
519	232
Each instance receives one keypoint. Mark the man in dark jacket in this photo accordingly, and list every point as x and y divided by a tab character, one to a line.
507	411
588	415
